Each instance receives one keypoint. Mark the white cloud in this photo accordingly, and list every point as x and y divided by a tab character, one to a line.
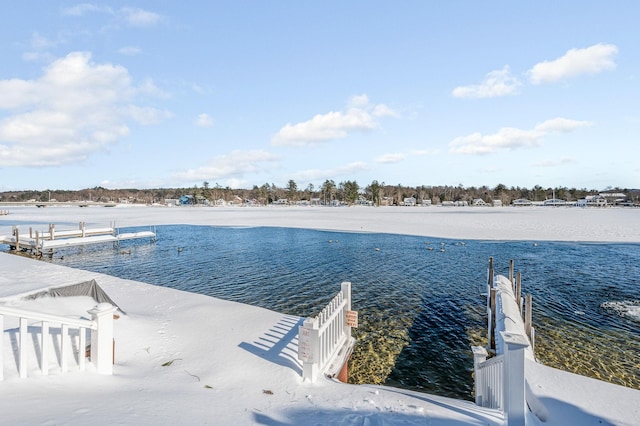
323	174
74	109
129	50
496	83
147	116
590	60
139	17
391	158
133	16
381	110
359	116
84	8
39	42
512	138
359	101
204	120
233	165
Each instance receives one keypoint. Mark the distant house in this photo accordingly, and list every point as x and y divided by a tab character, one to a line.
281	202
237	201
479	202
411	201
361	201
554	202
461	203
447	204
592	201
521	202
386	201
426	203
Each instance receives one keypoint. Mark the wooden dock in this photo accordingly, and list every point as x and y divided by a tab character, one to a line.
40	242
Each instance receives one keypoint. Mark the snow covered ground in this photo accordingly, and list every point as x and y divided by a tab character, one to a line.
184	358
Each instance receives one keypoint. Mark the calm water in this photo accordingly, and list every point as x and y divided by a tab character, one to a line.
420	300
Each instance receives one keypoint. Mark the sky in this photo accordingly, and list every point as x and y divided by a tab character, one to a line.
158	94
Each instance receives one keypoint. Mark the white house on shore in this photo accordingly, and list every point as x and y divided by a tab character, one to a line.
411	201
554	202
521	202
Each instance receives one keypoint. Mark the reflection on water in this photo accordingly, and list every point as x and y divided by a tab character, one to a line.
420	300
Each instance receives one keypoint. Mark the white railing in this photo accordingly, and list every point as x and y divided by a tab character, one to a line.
100	324
488	378
323	338
499	381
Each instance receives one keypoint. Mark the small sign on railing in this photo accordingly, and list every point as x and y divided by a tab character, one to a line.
352	319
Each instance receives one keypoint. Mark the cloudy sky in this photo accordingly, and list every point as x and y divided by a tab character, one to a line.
241	93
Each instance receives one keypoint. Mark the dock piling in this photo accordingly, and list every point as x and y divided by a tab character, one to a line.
518	291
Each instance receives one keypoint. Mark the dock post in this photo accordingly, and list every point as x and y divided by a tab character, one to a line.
511	273
17	234
30	232
492	319
528	316
52	229
491	306
518	291
37	243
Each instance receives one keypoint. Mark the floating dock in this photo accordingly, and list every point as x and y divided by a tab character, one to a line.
39	242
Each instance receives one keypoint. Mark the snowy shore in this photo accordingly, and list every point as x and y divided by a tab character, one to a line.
184	358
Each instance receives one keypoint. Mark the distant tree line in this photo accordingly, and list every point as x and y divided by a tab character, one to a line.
346	192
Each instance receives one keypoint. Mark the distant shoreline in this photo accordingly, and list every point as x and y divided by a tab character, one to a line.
610	225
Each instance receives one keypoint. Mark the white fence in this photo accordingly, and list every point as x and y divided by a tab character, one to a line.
499	381
101	326
324	341
488	378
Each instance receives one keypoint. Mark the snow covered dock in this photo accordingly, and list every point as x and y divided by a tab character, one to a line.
38	242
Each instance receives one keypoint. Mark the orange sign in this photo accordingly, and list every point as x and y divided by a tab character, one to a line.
352	318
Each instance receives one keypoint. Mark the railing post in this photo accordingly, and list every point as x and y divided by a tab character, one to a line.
308	348
102	338
22	344
44	348
479	356
346	293
513	377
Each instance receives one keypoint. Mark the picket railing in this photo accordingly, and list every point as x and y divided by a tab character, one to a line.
488	378
326	338
100	324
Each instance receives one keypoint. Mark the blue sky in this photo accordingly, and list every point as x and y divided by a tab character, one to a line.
241	93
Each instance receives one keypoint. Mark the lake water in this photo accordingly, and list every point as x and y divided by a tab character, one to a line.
420	300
